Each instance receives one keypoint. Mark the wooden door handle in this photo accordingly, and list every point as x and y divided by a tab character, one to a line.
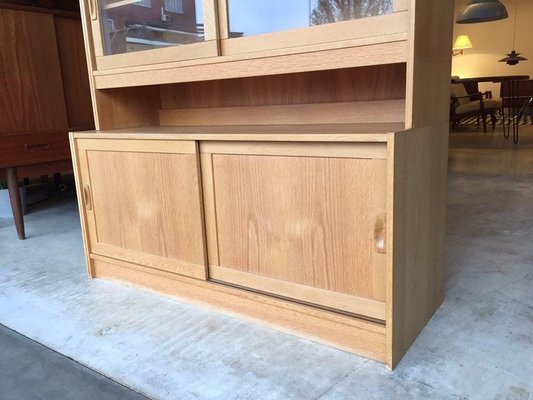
87	196
380	234
93	10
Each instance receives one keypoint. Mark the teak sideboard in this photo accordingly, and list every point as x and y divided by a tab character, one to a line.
44	93
293	177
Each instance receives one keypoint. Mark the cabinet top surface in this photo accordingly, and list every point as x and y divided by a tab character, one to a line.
368	132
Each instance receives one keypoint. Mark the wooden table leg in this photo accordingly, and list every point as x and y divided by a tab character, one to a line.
16	203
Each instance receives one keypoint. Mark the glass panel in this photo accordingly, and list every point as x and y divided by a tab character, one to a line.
136	25
253	17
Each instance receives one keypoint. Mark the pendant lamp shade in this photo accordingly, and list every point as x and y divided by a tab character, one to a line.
513	58
482	11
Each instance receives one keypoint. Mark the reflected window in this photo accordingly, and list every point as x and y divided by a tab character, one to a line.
253	17
144	3
136	25
175	6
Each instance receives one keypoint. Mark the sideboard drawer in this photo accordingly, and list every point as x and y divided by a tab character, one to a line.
33	148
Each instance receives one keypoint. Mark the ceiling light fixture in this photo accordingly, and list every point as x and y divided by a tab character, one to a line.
482	11
513	57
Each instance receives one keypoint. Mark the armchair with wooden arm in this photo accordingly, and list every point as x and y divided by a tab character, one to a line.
480	105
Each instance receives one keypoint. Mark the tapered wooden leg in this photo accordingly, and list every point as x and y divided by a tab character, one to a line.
16	203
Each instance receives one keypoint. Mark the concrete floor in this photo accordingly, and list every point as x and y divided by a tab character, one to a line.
479	345
29	370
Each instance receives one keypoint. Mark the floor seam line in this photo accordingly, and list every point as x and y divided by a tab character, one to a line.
518	301
340	380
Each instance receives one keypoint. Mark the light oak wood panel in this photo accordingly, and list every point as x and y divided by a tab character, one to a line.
127	107
158	56
400	5
351	334
304	220
314	58
337	150
353	133
417	202
311	295
74	73
80	172
143	206
383	82
134	146
429	65
31	90
386	111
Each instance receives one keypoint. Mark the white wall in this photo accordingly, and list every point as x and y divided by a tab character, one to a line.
492	41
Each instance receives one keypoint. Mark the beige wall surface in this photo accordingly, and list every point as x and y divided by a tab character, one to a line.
493	40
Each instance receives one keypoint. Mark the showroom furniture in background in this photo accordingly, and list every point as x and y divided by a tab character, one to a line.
44	93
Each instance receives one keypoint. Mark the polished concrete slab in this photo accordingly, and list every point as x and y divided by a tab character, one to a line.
479	345
28	370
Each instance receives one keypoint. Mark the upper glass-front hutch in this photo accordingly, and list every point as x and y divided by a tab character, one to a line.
137	33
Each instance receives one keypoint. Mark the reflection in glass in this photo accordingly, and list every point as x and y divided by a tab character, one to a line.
135	25
253	17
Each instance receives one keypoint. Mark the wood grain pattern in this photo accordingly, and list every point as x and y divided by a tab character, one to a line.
429	64
208	191
360	306
337	150
80	173
353	133
127	107
351	334
328	56
385	111
15	201
31	91
382	82
312	226
26	149
144	204
417	183
158	56
74	73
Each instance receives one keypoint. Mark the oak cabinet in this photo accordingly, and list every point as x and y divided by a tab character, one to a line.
142	202
320	157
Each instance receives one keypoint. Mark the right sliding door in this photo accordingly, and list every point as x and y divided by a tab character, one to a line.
302	221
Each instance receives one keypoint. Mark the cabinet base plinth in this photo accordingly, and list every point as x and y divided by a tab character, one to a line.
347	333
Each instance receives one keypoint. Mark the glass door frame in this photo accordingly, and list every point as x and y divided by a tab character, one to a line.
205	49
362	29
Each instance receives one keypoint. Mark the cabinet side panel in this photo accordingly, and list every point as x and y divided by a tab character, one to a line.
429	63
77	167
419	210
